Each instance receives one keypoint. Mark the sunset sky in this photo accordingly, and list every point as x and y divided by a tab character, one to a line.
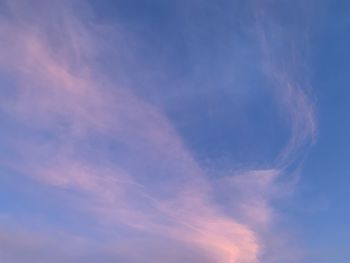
174	131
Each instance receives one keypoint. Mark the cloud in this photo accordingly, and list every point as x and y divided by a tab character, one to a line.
285	64
118	157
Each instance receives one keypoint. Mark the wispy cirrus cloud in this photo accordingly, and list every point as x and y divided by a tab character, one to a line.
285	62
118	157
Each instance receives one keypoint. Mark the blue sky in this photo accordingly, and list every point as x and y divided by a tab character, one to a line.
174	131
326	172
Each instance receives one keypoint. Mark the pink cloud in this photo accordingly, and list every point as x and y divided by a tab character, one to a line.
156	186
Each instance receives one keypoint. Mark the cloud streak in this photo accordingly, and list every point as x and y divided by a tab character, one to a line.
118	158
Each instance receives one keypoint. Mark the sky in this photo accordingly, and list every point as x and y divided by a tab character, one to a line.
160	131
